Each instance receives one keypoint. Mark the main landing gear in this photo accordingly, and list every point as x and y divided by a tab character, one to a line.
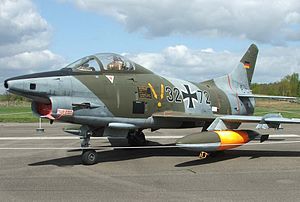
88	156
136	138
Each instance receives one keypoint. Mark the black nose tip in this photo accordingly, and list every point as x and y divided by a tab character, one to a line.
5	84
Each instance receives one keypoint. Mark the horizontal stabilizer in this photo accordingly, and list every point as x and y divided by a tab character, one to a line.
255	119
264	122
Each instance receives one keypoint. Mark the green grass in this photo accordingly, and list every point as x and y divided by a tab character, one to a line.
20	114
260	111
287	110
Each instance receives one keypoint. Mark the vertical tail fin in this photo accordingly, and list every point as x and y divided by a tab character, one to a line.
244	71
249	61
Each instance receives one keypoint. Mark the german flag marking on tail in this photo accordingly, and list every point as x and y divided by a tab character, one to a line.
247	65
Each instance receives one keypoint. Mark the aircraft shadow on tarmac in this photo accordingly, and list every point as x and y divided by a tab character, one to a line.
129	154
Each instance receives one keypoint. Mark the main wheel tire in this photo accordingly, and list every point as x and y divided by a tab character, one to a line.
89	157
137	139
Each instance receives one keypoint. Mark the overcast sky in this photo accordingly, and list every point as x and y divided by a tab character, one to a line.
194	39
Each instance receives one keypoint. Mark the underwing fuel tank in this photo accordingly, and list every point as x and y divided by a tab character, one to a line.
211	141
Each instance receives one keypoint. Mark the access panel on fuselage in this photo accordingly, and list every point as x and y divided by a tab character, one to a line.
120	92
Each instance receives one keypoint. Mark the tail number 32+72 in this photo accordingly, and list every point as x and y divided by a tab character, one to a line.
174	95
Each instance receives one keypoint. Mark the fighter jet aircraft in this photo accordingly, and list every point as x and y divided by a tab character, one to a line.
109	95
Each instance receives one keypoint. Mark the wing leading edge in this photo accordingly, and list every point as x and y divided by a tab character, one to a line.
267	96
223	122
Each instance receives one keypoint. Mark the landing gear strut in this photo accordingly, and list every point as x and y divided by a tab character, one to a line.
88	156
136	138
85	133
204	155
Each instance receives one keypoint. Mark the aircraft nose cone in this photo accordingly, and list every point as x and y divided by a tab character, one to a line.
9	83
14	85
6	83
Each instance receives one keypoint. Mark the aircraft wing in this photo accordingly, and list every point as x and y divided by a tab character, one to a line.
223	122
229	118
266	96
257	119
181	116
264	122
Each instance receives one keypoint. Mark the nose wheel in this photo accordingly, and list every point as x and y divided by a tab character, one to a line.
89	156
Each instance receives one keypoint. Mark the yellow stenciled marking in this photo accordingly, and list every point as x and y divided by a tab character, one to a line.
152	90
162	91
159	104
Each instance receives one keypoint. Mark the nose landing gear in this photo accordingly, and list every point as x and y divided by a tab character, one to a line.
88	156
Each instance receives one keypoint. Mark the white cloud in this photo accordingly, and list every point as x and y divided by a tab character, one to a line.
270	21
25	35
21	28
199	65
275	62
182	62
293	18
31	61
24	40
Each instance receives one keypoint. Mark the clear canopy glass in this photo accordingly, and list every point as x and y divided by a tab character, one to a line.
102	62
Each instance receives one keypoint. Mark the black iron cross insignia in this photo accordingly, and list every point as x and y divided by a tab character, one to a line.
189	95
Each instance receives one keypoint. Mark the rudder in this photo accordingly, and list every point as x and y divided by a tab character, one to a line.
249	61
243	73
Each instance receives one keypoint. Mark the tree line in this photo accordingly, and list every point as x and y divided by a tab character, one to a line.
288	86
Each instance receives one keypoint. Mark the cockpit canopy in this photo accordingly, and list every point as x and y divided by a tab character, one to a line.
102	62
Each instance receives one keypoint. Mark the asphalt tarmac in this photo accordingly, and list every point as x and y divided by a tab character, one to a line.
43	167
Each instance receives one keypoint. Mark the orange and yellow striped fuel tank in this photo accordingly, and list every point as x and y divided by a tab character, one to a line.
216	140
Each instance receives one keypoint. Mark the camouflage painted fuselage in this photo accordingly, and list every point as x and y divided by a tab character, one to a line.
143	94
111	96
86	96
99	97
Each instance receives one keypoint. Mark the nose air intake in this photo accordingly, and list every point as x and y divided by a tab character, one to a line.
6	83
